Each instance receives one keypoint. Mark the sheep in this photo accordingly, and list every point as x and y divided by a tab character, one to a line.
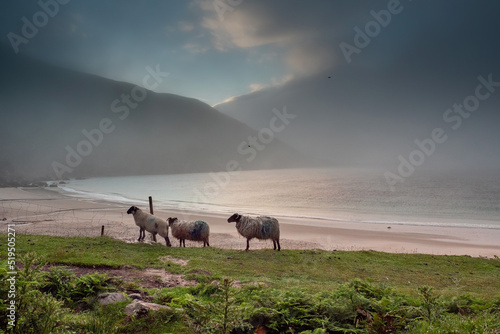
150	223
262	227
193	230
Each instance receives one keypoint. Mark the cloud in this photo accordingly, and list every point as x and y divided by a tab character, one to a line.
257	86
229	99
186	26
274	83
247	27
309	58
273	27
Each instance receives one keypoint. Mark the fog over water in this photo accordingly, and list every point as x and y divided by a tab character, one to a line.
352	195
117	88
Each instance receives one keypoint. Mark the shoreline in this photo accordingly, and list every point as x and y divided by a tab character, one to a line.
49	212
342	216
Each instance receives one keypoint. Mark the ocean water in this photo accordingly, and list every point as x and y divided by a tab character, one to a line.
352	195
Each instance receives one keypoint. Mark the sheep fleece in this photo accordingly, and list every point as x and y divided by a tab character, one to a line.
195	230
151	223
262	227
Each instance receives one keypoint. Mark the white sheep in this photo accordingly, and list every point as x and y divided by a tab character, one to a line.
262	227
150	223
194	230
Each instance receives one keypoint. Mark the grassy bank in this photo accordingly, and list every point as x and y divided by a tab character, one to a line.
291	291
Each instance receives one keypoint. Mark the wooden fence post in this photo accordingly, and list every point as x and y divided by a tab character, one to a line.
151	205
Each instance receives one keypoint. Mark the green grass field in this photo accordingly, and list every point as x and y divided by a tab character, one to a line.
328	292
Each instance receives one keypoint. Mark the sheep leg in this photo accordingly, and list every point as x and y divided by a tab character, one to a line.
278	242
184	243
248	244
180	242
274	244
154	237
141	234
167	242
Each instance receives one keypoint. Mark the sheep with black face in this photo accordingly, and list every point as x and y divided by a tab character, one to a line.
150	223
262	227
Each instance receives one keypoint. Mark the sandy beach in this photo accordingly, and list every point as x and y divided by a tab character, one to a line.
48	212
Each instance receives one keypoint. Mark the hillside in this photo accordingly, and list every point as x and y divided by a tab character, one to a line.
59	124
211	290
361	117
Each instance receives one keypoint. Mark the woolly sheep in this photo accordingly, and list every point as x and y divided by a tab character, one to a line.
193	230
150	223
262	227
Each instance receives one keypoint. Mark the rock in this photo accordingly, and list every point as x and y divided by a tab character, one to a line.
138	307
110	298
135	296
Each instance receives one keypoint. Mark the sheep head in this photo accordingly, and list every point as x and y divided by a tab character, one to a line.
132	210
172	221
234	218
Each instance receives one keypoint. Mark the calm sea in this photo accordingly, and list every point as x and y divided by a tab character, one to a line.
352	195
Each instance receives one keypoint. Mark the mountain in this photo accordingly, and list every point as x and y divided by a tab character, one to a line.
58	123
357	116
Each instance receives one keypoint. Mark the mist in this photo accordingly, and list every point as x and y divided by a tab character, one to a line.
115	88
65	124
364	118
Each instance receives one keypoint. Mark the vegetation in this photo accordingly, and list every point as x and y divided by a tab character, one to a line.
292	291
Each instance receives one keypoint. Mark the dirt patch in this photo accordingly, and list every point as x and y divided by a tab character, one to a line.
148	278
175	260
167	279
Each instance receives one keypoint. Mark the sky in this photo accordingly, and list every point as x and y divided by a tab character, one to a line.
366	78
218	49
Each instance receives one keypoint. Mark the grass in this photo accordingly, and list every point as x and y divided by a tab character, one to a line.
307	278
312	270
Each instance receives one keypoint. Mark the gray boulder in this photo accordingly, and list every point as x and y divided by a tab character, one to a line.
111	297
138	307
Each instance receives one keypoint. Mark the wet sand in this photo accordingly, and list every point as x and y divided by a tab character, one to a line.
49	212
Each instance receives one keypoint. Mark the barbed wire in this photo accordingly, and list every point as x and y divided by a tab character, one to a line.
55	220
